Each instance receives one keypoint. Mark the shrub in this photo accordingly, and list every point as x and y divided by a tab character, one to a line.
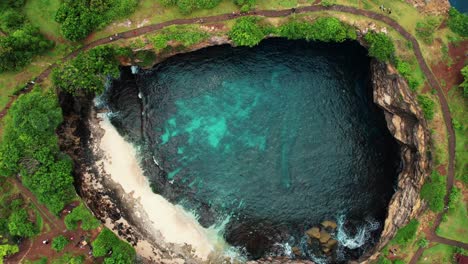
6	250
188	6
78	18
455	196
406	233
245	5
19	224
399	261
83	215
323	29
464	84
425	30
20	46
458	22
187	35
380	46
29	146
433	191
423	242
405	69
106	241
427	106
11	20
383	260
246	32
59	243
88	71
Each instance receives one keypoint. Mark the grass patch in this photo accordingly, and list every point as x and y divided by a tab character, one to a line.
437	254
427	106
433	191
83	215
456	225
457	103
406	234
42	14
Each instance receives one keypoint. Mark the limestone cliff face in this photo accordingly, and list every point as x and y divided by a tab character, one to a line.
406	123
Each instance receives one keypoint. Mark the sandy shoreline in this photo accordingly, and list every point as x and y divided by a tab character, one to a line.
160	231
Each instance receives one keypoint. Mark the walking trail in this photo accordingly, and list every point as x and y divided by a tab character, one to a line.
283	13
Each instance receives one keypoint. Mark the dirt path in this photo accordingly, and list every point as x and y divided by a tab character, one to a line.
286	12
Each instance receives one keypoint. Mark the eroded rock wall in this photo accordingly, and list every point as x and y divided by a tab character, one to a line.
406	123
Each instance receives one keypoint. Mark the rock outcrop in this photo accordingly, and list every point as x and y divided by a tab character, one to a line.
432	7
406	123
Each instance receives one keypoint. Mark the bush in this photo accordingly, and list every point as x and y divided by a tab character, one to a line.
405	69
383	260
423	242
83	215
107	241
78	18
425	30
6	250
20	46
406	233
427	106
246	32
187	35
19	224
88	72
455	196
59	243
29	146
381	46
458	22
433	191
188	6
464	84
11	20
325	29
245	5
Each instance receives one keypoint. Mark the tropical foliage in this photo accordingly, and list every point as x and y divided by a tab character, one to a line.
247	32
380	46
427	106
187	6
187	35
458	22
433	191
78	18
406	233
83	215
327	29
29	147
59	243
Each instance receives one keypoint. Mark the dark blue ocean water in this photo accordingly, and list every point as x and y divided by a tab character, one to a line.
460	5
278	137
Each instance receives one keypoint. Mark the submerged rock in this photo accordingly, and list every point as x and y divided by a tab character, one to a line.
329	224
324	236
314	232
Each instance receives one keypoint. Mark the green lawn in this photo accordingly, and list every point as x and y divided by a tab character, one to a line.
42	13
438	254
458	107
456	226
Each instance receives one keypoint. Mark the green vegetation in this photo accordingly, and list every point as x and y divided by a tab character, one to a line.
83	215
464	84
407	233
408	72
59	243
381	46
187	35
327	29
69	259
433	191
427	106
29	146
247	32
423	242
20	225
425	30
106	242
456	225
458	22
6	250
22	40
440	253
187	6
78	18
88	71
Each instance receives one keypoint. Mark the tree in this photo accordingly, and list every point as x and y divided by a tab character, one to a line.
11	20
6	250
458	22
88	71
83	215
427	106
433	191
381	46
19	224
407	233
59	243
246	32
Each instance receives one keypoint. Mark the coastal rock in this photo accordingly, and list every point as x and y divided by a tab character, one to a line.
296	251
314	232
324	237
432	7
406	123
329	224
331	243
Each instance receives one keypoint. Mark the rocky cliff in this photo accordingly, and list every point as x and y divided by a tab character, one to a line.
406	123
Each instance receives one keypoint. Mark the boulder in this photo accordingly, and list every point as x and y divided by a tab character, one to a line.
314	232
296	251
329	224
324	237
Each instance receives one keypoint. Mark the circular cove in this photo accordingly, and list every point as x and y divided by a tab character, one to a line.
270	140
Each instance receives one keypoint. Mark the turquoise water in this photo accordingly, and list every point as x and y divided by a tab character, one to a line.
278	137
460	5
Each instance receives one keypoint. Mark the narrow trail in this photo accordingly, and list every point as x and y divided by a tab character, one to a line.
432	80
